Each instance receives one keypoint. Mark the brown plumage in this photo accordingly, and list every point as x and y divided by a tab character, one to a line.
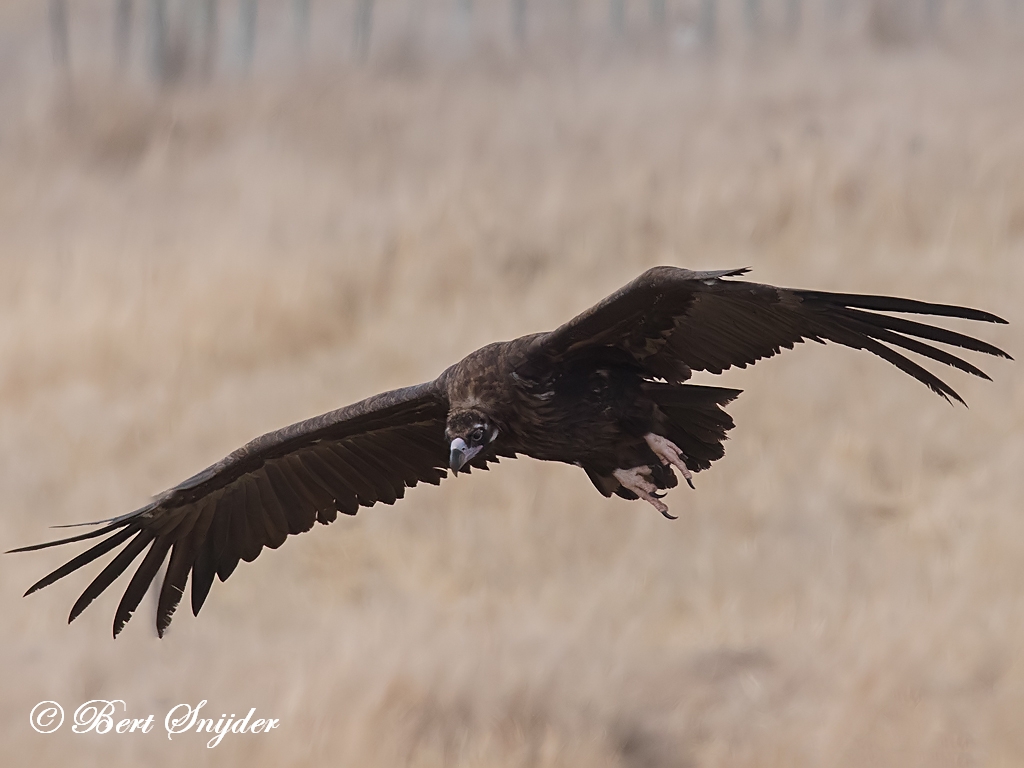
605	392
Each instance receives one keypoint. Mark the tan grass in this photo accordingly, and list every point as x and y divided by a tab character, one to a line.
843	589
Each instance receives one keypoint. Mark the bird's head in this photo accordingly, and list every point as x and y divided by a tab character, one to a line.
468	433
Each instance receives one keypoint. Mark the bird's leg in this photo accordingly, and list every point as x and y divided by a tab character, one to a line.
669	453
635	479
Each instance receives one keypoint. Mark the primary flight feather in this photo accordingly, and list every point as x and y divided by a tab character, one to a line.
605	392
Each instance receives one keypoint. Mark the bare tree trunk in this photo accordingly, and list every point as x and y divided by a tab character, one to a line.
362	28
707	23
300	27
158	40
209	32
247	14
835	10
794	13
572	12
59	35
933	15
463	23
122	35
752	14
617	17
657	8
519	28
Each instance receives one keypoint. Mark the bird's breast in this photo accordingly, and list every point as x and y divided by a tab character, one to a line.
573	416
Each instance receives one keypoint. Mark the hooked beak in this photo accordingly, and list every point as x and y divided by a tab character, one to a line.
461	454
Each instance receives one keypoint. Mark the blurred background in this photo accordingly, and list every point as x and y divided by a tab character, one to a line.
217	218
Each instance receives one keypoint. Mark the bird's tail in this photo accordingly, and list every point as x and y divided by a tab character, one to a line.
694	419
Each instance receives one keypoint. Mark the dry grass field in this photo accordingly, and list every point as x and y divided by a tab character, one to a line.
179	274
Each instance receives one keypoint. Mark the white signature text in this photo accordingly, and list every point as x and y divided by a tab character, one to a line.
111	716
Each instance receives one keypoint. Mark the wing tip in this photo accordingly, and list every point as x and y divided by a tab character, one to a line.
77	609
43	545
946	391
989	317
163	618
937	385
956	397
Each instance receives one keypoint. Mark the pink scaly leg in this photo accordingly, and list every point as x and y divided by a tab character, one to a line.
636	480
669	453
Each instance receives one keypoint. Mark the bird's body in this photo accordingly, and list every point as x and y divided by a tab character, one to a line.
606	392
593	410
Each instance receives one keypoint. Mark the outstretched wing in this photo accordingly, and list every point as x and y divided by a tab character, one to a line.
674	321
276	485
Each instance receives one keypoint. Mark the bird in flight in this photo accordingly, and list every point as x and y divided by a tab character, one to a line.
606	392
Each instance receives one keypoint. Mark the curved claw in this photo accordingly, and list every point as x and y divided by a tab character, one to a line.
637	480
667	516
670	454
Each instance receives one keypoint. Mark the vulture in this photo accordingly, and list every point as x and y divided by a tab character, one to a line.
606	392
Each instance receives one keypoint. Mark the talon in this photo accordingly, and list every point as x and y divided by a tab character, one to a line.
667	516
635	479
669	453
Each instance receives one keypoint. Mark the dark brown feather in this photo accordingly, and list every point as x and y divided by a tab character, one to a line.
323	494
114	568
140	582
236	533
383	490
259	510
251	512
698	321
276	485
86	557
300	514
341	459
315	497
80	537
585	393
323	466
182	556
203	572
271	503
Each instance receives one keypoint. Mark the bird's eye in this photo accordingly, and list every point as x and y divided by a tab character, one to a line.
477	435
